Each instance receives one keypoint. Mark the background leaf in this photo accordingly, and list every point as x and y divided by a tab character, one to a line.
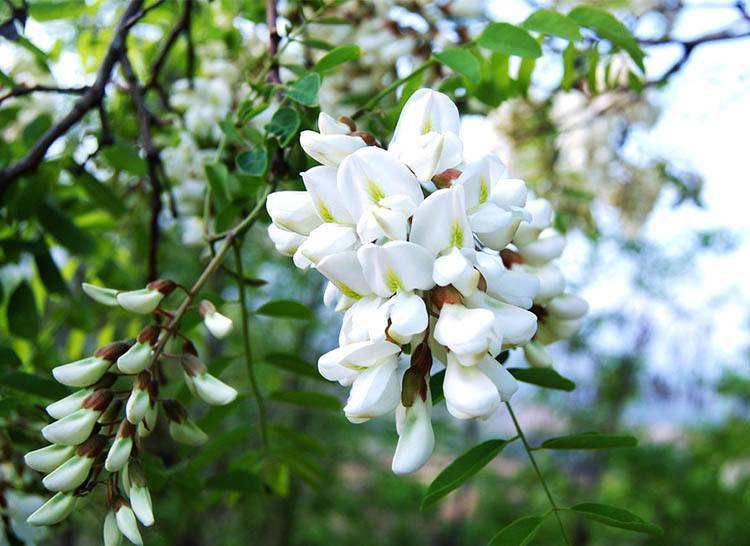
518	533
615	517
543	377
509	39
590	440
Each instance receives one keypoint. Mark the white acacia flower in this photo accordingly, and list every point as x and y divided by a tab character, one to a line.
140	502
345	273
536	355
143	301
457	269
345	363
325	240
75	428
321	185
548	246
181	428
82	373
374	392
440	222
112	535
562	318
512	326
69	404
380	192
511	286
127	523
105	296
54	510
286	242
136	358
551	282
476	392
416	440
363	321
332	144
138	401
74	471
119	452
293	211
48	458
216	323
468	333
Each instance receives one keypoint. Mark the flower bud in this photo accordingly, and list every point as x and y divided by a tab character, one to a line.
510	258
412	385
138	400
445	179
112	534
54	510
73	429
139	355
126	522
145	300
416	439
105	296
181	428
69	404
119	453
140	497
421	358
536	355
204	385
81	373
48	458
75	470
440	295
112	351
219	325
112	414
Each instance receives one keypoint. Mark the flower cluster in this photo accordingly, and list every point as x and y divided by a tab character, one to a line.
100	426
433	262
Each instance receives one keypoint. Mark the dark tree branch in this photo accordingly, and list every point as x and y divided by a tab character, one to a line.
183	26
274	39
24	90
89	100
153	161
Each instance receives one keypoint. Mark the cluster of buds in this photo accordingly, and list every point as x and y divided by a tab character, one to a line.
435	263
100	427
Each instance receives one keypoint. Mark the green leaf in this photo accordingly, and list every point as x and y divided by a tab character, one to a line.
305	90
610	28
569	69
549	21
284	125
543	377
253	162
48	271
615	517
292	363
462	61
23	317
590	440
9	358
35	129
64	230
285	309
340	55
524	75
460	470
436	387
509	39
518	533
123	157
100	193
240	481
48	10
218	180
316	400
33	384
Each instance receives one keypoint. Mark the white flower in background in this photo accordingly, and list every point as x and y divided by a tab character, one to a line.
431	261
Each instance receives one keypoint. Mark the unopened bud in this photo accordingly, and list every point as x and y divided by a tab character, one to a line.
98	400
445	179
440	295
92	447
421	358
174	411
112	413
189	347
192	365
349	122
107	380
412	385
149	334
113	351
165	286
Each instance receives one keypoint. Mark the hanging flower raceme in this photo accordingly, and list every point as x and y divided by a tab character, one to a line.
436	264
100	426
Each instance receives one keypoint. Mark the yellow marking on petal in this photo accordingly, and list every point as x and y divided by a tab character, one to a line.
325	214
348	292
484	190
427	126
376	194
392	281
457	235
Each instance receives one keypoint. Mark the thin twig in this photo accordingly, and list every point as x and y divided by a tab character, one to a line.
24	90
183	25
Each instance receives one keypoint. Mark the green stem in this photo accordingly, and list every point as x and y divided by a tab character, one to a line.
554	508
370	104
248	352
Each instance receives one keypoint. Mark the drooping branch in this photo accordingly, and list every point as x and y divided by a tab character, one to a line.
88	100
183	26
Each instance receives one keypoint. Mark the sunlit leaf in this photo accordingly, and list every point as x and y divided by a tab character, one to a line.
305	90
509	39
284	125
610	28
549	21
462	61
337	56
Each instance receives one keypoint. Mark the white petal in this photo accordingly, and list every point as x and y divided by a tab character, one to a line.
479	178
563	328
331	295
112	534
105	296
293	211
513	287
72	429
135	359
81	373
440	222
396	266
466	332
219	325
286	242
374	392
360	355
536	355
551	283
54	510
187	433
329	149
345	272
568	307
425	111
509	192
69	475
416	439
48	458
329	126
69	404
408	315
455	269
512	325
140	501
136	406
469	392
358	319
504	381
541	218
549	246
328	239
118	454
432	153
213	391
371	174
321	185
142	301
128	525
